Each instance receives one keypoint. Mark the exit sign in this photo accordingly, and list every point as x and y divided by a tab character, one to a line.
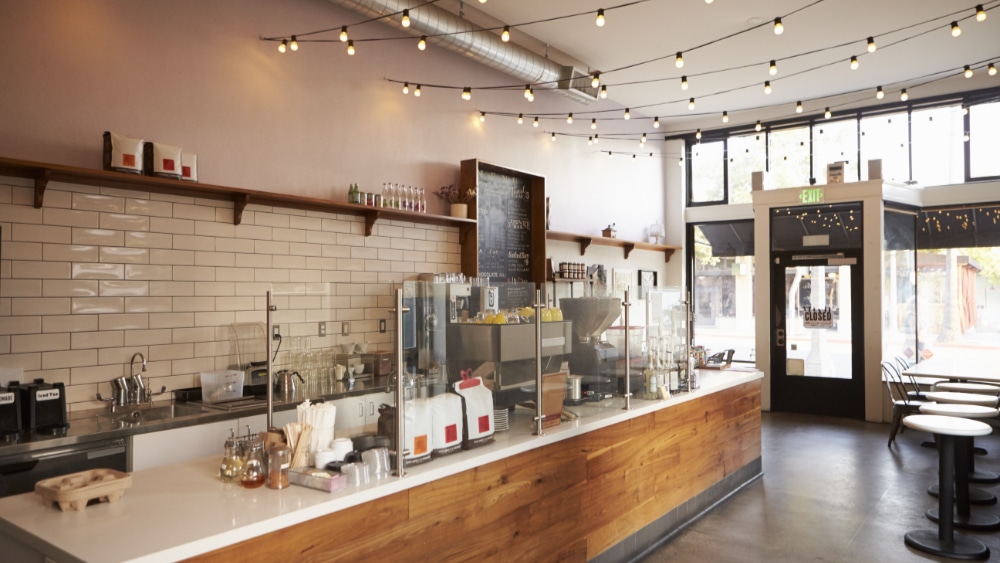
811	195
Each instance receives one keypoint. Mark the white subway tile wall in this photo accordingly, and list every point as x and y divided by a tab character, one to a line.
98	274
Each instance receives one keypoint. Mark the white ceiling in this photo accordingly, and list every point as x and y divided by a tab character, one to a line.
661	28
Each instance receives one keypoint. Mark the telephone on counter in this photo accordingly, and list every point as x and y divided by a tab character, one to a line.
721	360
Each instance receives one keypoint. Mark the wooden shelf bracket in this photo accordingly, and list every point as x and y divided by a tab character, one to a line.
240	202
370	218
628	247
41	182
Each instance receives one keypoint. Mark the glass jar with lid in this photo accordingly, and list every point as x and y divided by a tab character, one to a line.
279	458
254	473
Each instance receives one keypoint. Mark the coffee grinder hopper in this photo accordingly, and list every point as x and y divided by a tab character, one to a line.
591	316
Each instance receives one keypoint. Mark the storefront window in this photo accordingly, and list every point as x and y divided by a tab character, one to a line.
747	154
886	137
723	287
789	154
899	323
835	141
707	172
937	148
984	140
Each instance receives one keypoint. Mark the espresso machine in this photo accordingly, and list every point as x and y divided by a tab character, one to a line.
593	359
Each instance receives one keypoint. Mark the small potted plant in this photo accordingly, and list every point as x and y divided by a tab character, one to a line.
458	199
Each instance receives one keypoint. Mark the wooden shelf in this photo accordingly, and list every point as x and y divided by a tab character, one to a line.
43	173
627	245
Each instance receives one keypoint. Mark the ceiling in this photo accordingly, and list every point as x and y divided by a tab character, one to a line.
660	28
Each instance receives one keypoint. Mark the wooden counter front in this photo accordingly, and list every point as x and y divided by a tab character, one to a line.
570	500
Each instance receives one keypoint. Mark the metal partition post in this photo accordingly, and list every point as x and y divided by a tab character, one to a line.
400	386
538	362
270	359
628	356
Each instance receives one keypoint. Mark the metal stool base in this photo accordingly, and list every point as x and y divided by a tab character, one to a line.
974	521
976	496
960	548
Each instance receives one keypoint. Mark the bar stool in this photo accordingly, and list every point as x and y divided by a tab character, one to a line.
964	518
944	542
966	387
962	398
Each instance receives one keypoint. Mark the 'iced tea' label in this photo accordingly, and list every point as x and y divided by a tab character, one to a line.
47	395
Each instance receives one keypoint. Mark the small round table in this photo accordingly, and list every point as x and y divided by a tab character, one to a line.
944	542
965	387
962	398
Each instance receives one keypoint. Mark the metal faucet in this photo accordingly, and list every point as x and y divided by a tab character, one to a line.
137	390
131	391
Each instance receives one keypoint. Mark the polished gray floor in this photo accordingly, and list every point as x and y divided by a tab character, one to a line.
831	491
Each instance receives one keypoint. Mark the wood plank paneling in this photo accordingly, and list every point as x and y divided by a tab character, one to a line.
569	501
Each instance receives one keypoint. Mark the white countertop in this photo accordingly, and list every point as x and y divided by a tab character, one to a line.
179	511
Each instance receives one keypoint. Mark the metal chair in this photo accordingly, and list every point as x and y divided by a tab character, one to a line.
902	364
903	404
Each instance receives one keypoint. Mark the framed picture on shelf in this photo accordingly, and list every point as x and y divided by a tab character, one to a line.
621	282
647	281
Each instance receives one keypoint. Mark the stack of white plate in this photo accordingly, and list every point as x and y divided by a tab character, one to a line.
501	419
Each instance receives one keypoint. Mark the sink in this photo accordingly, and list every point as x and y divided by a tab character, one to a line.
135	415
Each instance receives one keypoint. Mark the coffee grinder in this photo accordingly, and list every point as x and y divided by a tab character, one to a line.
592	358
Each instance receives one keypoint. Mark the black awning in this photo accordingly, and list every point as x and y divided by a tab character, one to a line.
733	238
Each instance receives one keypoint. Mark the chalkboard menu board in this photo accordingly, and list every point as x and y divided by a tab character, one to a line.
510	227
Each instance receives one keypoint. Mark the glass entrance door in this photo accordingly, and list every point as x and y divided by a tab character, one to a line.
817	342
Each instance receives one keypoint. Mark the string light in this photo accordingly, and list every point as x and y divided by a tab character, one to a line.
593	124
406	18
871	45
505	36
283	46
610	154
955	30
966	137
642	141
596	138
684	83
680	162
968	71
596	80
535	124
422	44
767	86
679	60
294	45
553	137
903	96
758	126
590	140
656	122
416	91
708	1
854	63
879	94
980	13
527	91
569	119
466	93
778	27
628	114
772	69
691	104
406	88
482	117
798	107
343	34
827	114
725	117
600	18
520	118
697	134
350	47
604	92
991	70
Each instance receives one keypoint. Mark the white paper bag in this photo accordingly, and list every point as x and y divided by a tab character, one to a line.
447	424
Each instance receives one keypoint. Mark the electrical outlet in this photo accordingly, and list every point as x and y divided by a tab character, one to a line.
322	329
345	328
276	335
381	325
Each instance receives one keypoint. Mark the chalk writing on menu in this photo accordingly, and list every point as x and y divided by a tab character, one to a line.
504	219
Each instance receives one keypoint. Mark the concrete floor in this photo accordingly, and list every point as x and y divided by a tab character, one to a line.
831	491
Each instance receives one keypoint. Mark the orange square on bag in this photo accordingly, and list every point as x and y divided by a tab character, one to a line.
419	445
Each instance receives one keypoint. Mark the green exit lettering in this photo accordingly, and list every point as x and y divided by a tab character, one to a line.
811	195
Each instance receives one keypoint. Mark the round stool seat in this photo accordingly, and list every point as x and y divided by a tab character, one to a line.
968	398
959	409
947	425
981	388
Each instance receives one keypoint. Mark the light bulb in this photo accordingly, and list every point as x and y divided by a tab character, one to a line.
798	107
691	104
527	91
966	137
406	18
651	154
416	91
350	47
767	86
879	94
520	118
590	140
680	162
758	126
406	88
708	1
600	18
569	118
642	141
772	69
725	117
531	95
283	46
422	44
593	124
679	60
482	116
604	92
596	80
854	63
903	96
871	45
610	154
778	28
968	71
827	114
294	45
991	70
684	83
596	138
628	114
535	124
553	137
955	30
980	13
697	134
656	122
343	34
466	93
505	36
